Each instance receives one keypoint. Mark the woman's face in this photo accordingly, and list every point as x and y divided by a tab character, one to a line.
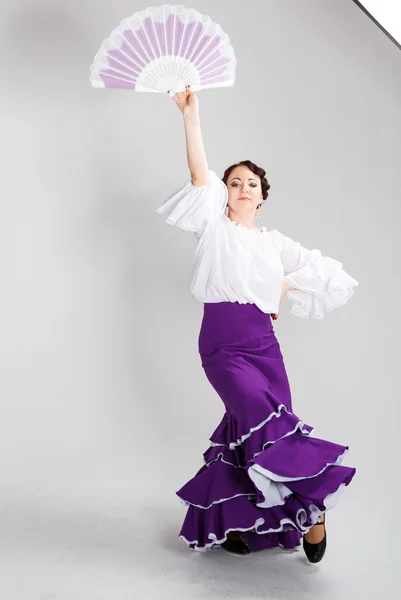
244	190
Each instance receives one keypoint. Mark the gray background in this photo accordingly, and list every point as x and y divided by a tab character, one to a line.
105	410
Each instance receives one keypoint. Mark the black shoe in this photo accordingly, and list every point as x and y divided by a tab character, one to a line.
236	546
315	552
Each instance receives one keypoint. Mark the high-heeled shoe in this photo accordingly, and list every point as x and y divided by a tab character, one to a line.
236	546
315	552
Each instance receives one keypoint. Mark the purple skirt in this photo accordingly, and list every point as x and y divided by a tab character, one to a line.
264	473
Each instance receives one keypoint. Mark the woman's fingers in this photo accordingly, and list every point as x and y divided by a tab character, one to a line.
183	99
180	95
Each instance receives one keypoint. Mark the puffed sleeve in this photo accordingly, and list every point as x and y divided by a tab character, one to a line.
190	206
320	281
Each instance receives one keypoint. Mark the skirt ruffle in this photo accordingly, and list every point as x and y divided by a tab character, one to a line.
272	486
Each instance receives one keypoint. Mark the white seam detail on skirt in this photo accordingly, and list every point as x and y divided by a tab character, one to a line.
271	477
314	514
299	425
258	522
284	478
252	429
220	457
187	503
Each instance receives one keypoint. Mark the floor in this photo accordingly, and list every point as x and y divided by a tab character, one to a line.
91	543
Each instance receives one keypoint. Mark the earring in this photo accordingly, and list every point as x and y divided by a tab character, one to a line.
226	210
258	215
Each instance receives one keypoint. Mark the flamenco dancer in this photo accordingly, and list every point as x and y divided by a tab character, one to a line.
266	481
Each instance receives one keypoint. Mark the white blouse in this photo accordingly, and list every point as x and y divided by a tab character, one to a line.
236	264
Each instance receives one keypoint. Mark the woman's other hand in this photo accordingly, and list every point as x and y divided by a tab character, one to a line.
286	287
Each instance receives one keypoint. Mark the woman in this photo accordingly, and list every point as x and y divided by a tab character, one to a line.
266	480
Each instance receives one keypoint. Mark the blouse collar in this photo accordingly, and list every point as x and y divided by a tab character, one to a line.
235	224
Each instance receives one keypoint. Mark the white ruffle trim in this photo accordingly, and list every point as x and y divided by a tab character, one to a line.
330	501
190	206
269	484
272	487
252	429
258	470
322	285
298	426
186	503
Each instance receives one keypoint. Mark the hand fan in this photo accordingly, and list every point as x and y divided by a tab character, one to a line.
161	49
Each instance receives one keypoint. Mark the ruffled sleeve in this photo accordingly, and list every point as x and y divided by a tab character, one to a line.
320	281
190	206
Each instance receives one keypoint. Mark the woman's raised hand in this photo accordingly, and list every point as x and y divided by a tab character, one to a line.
186	101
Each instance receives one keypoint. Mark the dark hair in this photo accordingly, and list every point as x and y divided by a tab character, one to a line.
255	169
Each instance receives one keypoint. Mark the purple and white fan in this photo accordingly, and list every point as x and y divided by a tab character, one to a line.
161	49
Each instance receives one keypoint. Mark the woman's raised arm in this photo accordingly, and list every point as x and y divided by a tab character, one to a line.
203	198
188	104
